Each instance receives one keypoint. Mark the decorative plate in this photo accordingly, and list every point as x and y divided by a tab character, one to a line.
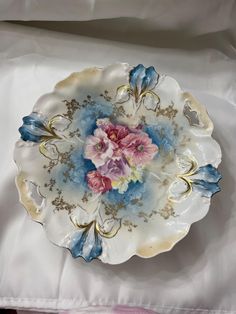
117	162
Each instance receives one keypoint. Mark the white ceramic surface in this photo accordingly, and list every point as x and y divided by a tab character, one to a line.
155	177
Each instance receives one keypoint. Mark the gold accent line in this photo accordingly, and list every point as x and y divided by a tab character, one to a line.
192	170
147	92
51	122
189	188
109	234
43	149
97	227
46	138
124	87
187	180
81	226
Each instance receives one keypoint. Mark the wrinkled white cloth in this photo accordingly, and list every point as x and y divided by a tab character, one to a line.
192	16
198	275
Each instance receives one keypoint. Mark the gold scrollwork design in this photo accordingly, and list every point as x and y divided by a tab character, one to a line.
186	178
51	130
97	227
138	96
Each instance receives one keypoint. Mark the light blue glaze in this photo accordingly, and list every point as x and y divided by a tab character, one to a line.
81	241
207	182
33	128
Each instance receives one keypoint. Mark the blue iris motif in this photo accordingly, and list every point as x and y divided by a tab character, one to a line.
203	179
142	80
87	240
34	128
87	243
206	180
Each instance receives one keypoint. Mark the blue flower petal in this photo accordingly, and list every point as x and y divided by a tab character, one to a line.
33	128
207	189
142	79
136	76
85	246
96	249
27	135
150	79
207	180
209	173
34	120
78	244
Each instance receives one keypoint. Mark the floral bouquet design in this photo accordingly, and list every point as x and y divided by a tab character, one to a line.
119	154
116	162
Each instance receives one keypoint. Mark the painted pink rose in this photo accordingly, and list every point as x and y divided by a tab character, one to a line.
98	147
138	148
115	169
98	183
115	132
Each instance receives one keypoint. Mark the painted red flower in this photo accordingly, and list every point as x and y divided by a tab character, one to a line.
98	183
115	132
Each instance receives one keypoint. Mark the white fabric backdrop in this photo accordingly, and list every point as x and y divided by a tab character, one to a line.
198	275
194	16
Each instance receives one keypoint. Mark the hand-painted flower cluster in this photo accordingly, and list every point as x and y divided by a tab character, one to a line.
119	154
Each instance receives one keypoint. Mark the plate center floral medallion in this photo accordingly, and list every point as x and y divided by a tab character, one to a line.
119	154
117	162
